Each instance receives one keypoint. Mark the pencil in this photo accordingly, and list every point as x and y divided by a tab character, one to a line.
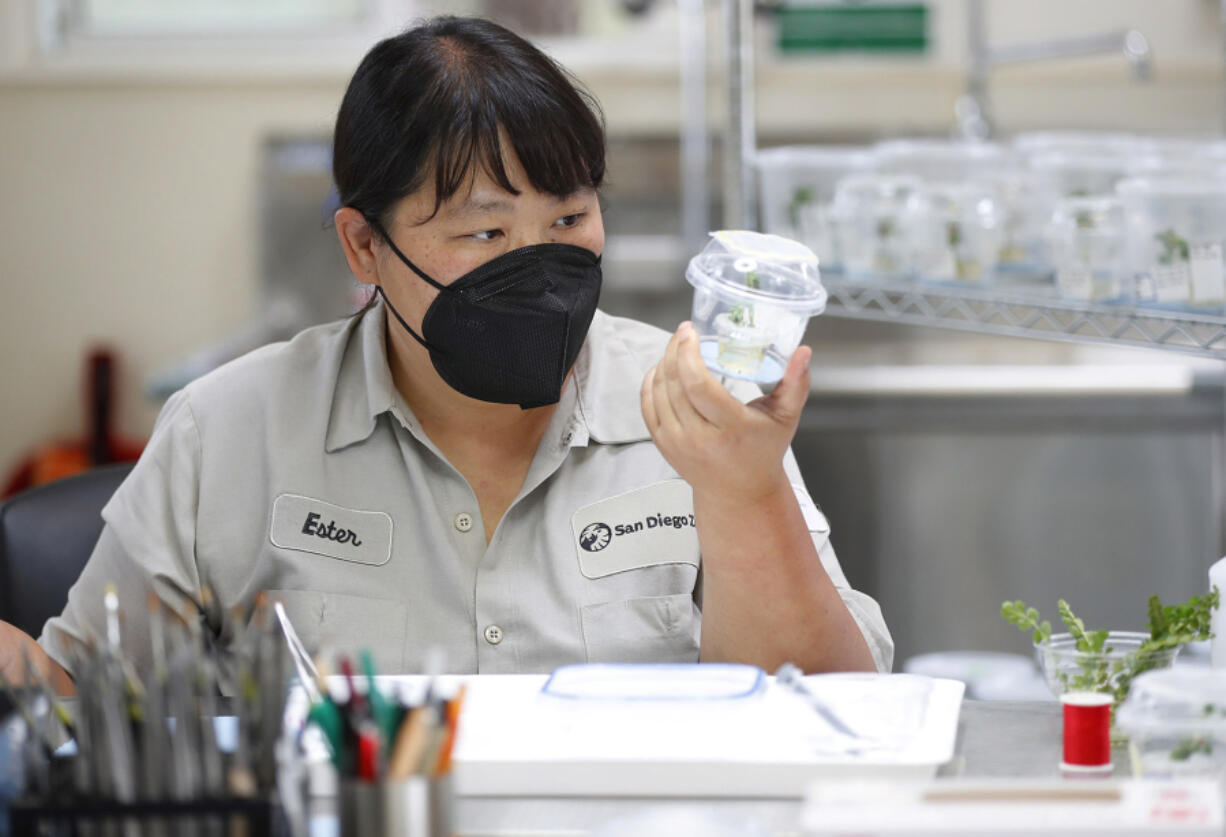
411	743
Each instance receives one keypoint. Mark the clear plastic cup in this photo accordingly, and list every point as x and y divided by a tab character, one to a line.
868	216
1086	244
1175	720
1022	250
796	186
956	231
1176	233
753	296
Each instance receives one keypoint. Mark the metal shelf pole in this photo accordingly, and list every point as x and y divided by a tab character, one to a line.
740	141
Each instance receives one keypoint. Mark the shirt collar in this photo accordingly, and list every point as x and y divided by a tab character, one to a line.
364	388
608	375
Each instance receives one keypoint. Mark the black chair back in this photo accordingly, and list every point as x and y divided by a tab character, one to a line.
46	536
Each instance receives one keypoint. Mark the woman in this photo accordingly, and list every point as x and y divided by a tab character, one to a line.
479	460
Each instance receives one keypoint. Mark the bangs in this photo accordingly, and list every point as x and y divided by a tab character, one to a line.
441	99
559	140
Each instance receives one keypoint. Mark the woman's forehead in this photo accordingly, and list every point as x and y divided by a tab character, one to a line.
481	194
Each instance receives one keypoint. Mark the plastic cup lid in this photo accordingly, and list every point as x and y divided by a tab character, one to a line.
759	268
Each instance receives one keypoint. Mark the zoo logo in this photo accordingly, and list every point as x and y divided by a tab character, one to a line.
595	537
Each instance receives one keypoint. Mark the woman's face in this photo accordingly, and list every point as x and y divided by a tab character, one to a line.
474	226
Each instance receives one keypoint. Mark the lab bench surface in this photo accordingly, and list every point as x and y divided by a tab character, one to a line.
996	739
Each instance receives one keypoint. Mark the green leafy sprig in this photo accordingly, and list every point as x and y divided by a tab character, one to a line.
1174	248
1026	618
1169	626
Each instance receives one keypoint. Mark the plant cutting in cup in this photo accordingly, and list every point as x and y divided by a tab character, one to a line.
1107	661
743	339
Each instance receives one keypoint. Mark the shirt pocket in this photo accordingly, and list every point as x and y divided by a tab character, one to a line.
652	629
347	625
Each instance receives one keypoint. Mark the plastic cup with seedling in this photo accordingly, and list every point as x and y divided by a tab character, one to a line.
753	295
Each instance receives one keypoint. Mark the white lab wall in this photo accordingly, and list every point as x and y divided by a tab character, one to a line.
129	218
129	192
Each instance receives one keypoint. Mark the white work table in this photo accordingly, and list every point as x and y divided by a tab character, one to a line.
995	739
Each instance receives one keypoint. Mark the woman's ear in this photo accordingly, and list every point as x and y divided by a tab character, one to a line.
357	240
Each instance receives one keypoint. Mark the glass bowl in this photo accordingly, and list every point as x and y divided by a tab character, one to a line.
1111	670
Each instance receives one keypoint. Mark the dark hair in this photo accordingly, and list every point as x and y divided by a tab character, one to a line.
435	98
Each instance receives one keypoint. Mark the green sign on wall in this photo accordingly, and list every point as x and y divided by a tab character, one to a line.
848	27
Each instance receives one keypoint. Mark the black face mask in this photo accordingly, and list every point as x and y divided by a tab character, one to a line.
509	331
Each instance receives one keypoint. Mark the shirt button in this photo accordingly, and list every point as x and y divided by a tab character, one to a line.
567	436
493	634
464	521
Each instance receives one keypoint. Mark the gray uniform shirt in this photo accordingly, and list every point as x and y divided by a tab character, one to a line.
299	470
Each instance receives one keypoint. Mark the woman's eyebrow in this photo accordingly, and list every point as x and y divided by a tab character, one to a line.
578	192
481	205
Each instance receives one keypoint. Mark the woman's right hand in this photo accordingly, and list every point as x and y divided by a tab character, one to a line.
15	646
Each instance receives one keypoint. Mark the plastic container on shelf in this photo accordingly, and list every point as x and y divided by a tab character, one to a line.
1086	245
1175	229
955	230
1182	157
1082	173
941	160
1175	720
1029	143
753	296
1022	248
796	186
1077	173
868	217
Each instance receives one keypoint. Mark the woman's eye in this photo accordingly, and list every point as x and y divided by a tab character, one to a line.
487	235
568	221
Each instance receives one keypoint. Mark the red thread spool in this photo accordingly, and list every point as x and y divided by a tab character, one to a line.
1087	732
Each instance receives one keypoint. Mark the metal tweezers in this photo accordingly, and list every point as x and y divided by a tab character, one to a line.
790	677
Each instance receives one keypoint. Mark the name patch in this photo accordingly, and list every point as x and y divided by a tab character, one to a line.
642	528
309	525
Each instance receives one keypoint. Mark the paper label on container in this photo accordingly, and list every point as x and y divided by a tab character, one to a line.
645	527
1172	282
1144	287
1208	282
945	266
1076	281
